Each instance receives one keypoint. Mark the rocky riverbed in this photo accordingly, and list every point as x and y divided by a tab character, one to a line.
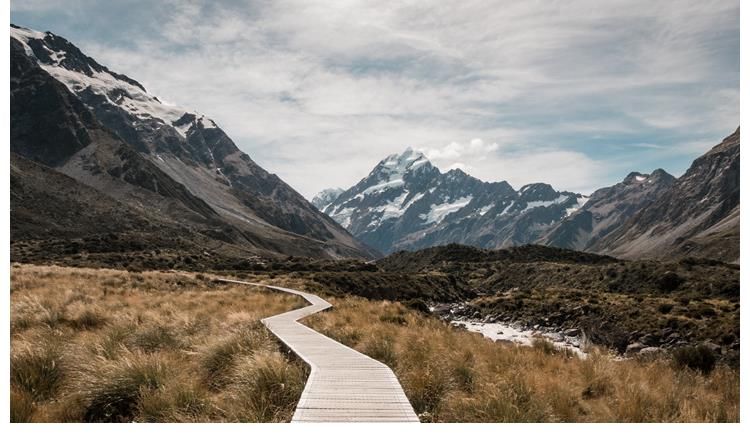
569	335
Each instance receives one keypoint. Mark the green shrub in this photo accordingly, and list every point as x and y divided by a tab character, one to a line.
417	304
700	358
665	308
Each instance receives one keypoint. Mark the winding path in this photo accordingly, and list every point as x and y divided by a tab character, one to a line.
344	385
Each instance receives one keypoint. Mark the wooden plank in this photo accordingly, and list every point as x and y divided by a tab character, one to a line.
344	385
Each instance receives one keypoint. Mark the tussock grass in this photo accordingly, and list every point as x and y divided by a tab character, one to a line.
38	370
114	346
267	388
452	375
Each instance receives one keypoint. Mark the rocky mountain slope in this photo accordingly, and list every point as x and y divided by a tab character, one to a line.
407	203
699	215
607	209
103	129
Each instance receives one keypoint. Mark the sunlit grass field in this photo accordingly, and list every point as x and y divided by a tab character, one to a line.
102	346
452	375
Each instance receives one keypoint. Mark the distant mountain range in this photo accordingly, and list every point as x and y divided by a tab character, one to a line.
100	166
122	162
407	203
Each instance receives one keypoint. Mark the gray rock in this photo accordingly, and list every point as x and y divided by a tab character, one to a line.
572	332
650	351
634	348
716	349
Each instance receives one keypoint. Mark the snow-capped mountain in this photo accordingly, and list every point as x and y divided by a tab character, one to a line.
407	203
326	197
607	209
103	128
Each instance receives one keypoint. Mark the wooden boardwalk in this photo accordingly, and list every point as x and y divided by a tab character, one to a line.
344	385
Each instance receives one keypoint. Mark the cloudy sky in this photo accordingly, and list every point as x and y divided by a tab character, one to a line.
573	93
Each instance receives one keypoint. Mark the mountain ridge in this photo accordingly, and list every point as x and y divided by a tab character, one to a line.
646	215
405	202
106	131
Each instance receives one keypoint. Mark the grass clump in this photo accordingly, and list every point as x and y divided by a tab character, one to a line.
219	358
111	391
21	406
267	387
37	371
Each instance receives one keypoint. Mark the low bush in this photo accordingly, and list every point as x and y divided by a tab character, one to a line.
700	358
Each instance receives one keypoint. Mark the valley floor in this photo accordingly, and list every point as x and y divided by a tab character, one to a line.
452	375
106	345
100	345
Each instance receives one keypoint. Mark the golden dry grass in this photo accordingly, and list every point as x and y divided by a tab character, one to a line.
105	345
452	375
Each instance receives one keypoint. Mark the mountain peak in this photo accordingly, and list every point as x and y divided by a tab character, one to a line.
82	74
409	159
326	197
658	175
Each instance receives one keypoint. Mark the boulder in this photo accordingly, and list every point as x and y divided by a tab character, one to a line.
650	351
634	348
716	349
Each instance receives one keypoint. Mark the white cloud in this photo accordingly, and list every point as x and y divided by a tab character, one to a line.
320	91
477	149
565	170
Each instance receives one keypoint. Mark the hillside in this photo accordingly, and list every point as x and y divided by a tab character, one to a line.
103	129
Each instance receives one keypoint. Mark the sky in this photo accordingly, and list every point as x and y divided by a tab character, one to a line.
574	93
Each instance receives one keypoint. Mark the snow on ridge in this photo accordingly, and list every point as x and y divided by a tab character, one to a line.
545	203
24	34
117	92
580	201
439	212
484	209
640	178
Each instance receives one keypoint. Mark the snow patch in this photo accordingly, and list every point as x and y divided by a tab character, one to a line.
580	201
540	203
439	212
484	209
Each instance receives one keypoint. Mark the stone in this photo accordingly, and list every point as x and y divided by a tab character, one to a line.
716	349
650	351
572	332
634	348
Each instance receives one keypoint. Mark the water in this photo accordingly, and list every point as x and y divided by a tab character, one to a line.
522	337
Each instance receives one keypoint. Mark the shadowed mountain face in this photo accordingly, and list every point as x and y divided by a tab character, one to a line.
607	209
104	130
698	215
407	203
